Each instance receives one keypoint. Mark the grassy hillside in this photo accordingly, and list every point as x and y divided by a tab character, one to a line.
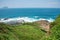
20	32
29	31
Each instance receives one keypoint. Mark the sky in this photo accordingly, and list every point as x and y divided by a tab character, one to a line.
30	3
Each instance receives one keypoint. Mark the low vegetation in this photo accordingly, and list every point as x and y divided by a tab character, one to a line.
29	31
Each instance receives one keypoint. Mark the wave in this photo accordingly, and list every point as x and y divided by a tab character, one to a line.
26	19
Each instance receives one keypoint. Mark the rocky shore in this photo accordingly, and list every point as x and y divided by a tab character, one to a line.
24	20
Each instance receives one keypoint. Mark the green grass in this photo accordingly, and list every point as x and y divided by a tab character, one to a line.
29	31
20	32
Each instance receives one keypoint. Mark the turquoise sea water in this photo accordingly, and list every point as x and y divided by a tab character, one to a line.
29	12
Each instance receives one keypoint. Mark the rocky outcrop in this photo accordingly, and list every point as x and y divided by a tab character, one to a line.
44	25
12	21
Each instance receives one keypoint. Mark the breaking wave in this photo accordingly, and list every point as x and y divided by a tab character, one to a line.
26	19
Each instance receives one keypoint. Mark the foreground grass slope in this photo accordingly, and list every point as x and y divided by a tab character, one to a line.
20	32
29	31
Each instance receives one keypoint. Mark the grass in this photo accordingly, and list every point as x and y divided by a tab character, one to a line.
20	32
27	31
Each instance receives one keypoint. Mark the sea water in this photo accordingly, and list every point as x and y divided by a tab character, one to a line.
30	14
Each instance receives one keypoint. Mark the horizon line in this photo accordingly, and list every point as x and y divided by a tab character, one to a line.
25	7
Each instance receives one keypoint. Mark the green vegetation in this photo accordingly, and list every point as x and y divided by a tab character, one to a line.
56	29
25	31
29	31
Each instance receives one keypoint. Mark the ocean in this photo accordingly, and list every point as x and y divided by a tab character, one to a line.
29	13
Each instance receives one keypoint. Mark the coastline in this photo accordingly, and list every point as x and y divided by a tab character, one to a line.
23	19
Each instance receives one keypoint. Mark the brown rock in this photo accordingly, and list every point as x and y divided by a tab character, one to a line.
44	24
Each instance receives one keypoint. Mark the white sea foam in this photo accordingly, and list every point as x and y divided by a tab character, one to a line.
36	16
26	19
